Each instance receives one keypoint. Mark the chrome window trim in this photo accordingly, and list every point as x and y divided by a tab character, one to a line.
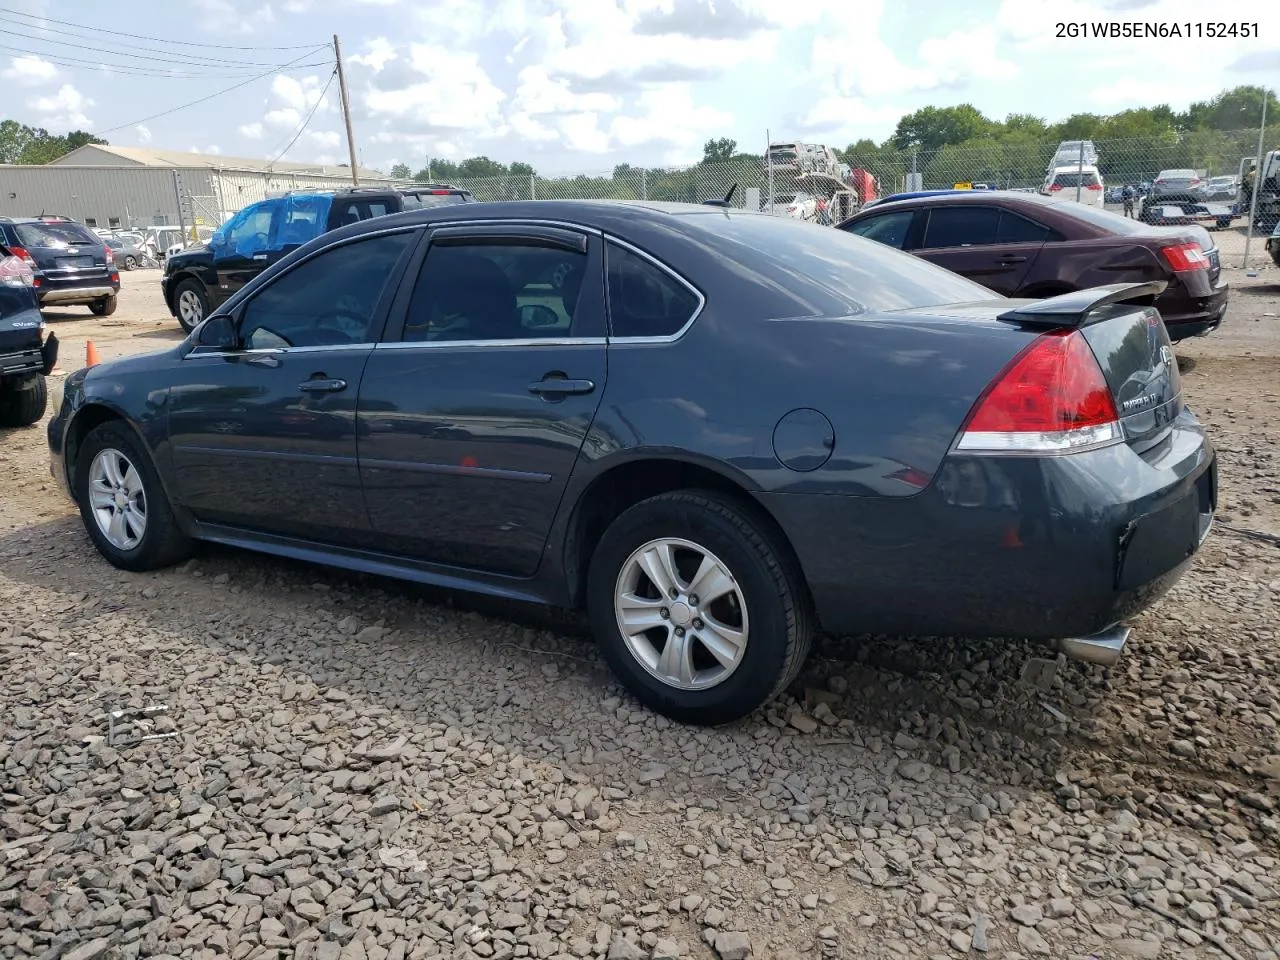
528	342
514	221
670	338
269	351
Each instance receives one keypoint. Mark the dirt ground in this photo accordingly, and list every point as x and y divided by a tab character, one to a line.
364	769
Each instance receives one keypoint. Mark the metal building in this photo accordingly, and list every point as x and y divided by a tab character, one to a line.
107	186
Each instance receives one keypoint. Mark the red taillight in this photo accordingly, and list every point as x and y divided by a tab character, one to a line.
1093	186
1055	188
15	272
21	254
1052	398
1183	257
440	193
111	255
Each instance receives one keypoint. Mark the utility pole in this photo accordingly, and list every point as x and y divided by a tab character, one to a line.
1259	168
346	111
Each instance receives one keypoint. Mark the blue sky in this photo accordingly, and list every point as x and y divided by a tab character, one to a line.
581	85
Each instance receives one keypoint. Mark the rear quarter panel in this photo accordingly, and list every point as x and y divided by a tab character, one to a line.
894	387
1078	264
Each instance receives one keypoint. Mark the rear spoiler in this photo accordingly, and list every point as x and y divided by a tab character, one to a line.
1074	309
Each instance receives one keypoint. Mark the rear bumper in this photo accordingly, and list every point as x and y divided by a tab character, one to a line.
34	359
77	295
1040	548
1188	315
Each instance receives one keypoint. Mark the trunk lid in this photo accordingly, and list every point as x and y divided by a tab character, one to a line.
63	250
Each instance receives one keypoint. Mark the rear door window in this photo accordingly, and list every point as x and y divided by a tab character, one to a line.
54	235
956	226
1018	229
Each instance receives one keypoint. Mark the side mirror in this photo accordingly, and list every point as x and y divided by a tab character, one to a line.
218	332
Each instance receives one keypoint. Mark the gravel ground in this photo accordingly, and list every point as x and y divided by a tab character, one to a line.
363	769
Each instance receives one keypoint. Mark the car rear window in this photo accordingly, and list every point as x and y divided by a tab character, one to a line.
1098	217
861	274
54	235
1075	179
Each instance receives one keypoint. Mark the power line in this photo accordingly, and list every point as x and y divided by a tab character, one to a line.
141	71
193	103
185	60
306	120
136	36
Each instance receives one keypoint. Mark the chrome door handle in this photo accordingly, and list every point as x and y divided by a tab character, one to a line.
558	386
322	385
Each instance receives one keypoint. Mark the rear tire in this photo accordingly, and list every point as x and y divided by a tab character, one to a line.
190	304
114	478
24	402
130	262
104	307
755	592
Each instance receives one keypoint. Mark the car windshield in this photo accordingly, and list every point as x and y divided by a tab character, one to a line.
54	235
860	274
1178	175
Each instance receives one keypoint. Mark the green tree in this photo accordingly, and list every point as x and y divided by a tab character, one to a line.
519	169
931	128
20	143
401	171
1234	109
719	151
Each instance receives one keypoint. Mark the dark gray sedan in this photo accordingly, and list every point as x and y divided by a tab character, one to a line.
718	432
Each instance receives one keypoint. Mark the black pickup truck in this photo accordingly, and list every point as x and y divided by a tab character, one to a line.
197	280
26	356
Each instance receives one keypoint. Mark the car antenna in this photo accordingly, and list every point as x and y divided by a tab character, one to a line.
727	198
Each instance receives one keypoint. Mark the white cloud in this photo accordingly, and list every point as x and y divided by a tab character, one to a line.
669	116
224	16
251	130
29	71
144	134
285	117
378	53
64	110
448	90
324	138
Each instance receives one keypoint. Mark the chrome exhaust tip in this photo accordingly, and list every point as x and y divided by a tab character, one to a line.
1104	647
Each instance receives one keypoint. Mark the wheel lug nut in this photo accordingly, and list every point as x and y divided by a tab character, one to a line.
697	623
675	594
693	599
679	631
664	613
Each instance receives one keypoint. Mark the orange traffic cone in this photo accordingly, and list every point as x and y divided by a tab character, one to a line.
90	354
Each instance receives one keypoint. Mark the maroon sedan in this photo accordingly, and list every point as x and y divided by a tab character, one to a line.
1025	245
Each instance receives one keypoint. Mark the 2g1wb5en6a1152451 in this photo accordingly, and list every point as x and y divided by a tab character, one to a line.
1140	30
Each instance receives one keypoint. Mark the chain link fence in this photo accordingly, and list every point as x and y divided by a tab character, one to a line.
1216	159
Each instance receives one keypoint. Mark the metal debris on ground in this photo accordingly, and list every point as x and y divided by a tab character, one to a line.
121	719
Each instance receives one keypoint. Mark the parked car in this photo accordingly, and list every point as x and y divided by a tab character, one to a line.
128	253
1072	183
520	408
1023	245
798	206
70	265
197	280
1176	184
1222	188
1171	213
1071	153
26	355
1273	245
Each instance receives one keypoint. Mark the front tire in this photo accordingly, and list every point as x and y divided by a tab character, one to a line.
190	304
24	402
700	658
122	504
130	262
104	307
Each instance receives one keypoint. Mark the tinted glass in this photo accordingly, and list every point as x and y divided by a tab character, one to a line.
855	274
1016	229
327	301
961	227
416	201
54	235
1113	222
485	291
1076	179
645	300
890	229
251	229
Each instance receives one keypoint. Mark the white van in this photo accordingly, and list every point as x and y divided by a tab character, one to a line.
1066	182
